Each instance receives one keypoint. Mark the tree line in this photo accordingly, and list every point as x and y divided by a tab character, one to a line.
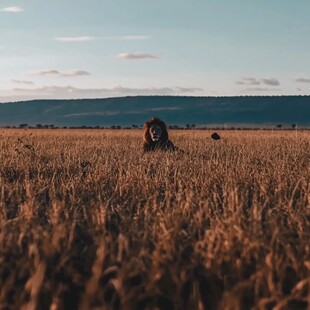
134	126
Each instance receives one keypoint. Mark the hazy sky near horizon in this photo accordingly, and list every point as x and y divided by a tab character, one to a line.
100	48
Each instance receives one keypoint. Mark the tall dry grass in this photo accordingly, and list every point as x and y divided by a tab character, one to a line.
88	222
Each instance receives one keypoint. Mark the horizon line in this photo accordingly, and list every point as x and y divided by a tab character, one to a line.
143	96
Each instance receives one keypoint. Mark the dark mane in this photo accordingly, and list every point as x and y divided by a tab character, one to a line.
163	144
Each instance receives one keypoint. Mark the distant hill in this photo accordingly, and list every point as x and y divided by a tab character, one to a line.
126	111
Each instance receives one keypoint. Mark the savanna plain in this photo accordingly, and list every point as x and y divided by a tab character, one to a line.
87	221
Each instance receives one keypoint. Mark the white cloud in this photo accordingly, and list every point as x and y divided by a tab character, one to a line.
70	92
302	80
57	73
22	82
74	39
133	56
12	9
90	38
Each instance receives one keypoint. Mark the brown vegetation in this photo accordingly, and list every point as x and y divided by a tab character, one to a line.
87	222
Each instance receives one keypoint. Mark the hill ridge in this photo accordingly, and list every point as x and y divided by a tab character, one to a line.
175	110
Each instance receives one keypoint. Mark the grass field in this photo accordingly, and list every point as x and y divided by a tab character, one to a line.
89	222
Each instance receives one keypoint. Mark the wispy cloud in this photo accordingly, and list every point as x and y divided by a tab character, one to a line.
105	113
270	81
248	81
74	39
12	9
22	82
70	92
302	80
189	89
134	56
90	38
260	89
56	73
255	81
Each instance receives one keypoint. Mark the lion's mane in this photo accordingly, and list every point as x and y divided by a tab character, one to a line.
163	144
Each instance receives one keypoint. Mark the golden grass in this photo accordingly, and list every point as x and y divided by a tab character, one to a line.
87	222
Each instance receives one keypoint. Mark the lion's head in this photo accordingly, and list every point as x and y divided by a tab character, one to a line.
155	131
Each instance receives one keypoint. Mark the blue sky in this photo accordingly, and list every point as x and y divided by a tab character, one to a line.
100	48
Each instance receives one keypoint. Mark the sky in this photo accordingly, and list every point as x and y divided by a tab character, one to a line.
107	48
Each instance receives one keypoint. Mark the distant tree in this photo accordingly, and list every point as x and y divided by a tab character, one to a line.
23	125
193	126
112	127
294	126
39	126
118	127
188	126
279	126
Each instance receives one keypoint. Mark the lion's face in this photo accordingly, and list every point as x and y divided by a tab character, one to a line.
155	132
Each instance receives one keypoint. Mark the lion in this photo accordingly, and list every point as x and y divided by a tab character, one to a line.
155	136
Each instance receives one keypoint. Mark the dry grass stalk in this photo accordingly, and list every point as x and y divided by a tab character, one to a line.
87	221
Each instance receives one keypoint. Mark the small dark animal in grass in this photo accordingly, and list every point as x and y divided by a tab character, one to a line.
215	136
155	136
